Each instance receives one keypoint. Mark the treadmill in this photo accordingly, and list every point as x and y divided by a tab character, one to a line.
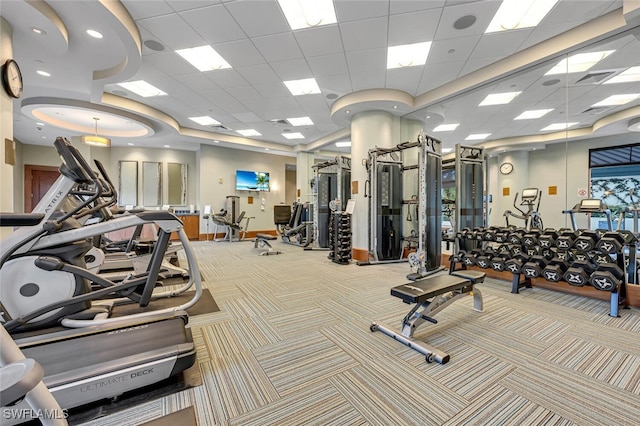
589	205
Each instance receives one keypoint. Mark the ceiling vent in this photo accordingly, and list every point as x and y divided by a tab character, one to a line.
597	77
221	128
595	110
279	122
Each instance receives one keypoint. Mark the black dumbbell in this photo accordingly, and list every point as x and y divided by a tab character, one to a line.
587	240
501	235
607	277
566	238
530	238
534	267
555	270
515	264
498	261
599	258
483	260
515	236
547	239
579	272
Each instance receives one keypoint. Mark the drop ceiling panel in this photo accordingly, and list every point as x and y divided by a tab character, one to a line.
258	74
476	64
403	6
367	80
278	47
245	93
351	10
405	79
141	10
171	64
258	18
365	34
577	11
435	75
367	60
295	69
224	101
338	84
502	42
413	27
247	117
483	11
240	53
540	34
321	41
180	5
226	78
214	24
461	46
272	90
328	65
197	82
181	35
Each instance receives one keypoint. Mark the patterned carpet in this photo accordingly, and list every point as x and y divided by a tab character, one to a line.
291	345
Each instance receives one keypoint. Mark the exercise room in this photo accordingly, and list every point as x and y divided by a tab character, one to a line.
268	212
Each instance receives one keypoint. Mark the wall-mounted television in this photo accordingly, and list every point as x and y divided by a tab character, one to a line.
252	181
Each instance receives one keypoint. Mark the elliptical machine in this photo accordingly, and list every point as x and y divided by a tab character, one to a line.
531	217
56	318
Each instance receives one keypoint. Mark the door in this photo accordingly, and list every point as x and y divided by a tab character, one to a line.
37	181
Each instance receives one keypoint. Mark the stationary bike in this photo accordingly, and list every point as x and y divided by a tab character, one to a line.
531	217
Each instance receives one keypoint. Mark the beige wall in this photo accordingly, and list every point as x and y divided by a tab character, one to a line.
6	126
290	187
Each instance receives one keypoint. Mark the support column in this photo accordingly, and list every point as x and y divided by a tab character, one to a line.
6	128
304	175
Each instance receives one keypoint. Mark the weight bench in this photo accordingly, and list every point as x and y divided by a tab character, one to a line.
263	240
431	295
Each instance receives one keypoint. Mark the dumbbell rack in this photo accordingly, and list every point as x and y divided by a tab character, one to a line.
340	238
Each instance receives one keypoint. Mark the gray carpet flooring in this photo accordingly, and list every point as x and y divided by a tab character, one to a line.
291	345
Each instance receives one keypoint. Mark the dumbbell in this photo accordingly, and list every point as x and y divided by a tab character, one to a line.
607	277
515	264
566	238
515	236
555	270
502	235
579	272
489	234
498	261
613	241
530	238
587	240
599	258
483	260
534	267
547	239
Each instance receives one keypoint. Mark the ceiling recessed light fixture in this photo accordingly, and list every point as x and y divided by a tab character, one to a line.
408	55
300	121
499	98
305	14
40	124
167	146
142	88
477	136
205	120
533	113
579	62
306	86
94	33
347	112
629	75
39	31
130	144
266	149
558	126
446	127
43	73
516	14
204	58
343	144
615	100
293	135
249	132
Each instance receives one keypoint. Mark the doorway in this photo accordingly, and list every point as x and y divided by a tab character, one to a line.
37	181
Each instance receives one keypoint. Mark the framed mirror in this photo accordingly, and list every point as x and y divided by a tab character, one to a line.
128	183
152	183
177	184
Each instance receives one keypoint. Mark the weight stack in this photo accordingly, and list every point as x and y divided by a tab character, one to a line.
340	246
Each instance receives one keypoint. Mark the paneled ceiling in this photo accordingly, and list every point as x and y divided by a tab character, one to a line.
346	58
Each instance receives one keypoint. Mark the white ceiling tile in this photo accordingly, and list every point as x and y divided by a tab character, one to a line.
413	27
461	46
244	93
214	24
239	53
540	34
365	34
226	78
141	10
476	64
180	5
197	82
501	43
247	117
278	47
258	18
328	65
405	79
171	63
483	11
181	35
295	69
353	10
272	90
320	41
575	11
404	6
258	74
338	84
367	80
367	60
224	100
435	75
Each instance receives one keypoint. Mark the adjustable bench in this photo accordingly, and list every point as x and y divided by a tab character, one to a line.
431	295
263	240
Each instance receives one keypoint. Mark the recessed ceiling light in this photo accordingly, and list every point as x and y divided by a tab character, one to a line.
94	33
266	149
516	14
630	75
395	107
464	22
39	31
477	136
579	62
167	146
343	144
533	113
306	86
204	58
446	127
408	55
558	126
249	132
293	135
43	73
142	88
447	150
300	121
499	98
615	100
130	144
305	14
40	124
216	141
347	112
205	120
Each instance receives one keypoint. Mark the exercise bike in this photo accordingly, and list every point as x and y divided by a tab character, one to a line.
62	315
531	217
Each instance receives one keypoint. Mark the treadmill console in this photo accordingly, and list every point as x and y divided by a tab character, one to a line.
592	205
529	194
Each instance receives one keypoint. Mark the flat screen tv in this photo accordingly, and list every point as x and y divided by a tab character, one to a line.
252	181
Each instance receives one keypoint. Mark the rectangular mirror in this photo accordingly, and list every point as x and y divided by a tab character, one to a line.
128	183
177	184
151	183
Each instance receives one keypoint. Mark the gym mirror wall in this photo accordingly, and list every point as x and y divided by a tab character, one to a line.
128	183
177	184
151	183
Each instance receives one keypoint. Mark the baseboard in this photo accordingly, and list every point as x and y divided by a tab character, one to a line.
359	255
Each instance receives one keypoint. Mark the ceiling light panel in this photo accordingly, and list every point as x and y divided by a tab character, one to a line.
446	127
558	126
579	62
308	13
615	100
249	132
307	86
295	135
499	98
205	120
204	58
516	14
300	121
532	114
408	55
142	88
630	75
343	144
477	136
